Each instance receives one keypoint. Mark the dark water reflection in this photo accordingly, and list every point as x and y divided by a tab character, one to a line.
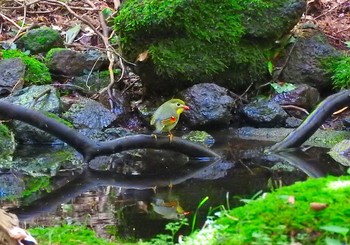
125	206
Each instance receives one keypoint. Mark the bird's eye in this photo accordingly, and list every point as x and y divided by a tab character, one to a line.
178	104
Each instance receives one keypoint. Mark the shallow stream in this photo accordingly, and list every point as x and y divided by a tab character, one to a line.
138	206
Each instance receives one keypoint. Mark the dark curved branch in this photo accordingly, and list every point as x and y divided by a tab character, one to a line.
90	149
323	111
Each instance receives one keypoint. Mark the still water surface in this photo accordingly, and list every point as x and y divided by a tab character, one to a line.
138	206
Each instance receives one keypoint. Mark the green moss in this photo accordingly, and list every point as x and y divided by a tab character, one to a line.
59	119
36	72
192	41
339	69
40	40
51	53
68	235
37	184
275	220
4	131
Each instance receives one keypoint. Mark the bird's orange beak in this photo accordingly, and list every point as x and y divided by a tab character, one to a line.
186	108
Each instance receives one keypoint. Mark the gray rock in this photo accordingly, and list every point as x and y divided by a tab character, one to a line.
47	102
73	63
87	113
305	62
40	40
11	75
340	152
264	113
210	105
303	96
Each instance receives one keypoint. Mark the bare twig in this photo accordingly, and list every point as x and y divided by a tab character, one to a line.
9	20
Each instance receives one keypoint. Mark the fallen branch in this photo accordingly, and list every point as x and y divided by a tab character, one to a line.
323	111
91	149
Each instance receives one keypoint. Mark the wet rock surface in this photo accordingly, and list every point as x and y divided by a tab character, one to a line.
305	62
210	106
88	113
264	113
72	63
11	75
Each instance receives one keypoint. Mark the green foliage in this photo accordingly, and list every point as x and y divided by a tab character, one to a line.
173	227
37	184
68	235
51	52
36	72
339	69
273	219
282	88
4	131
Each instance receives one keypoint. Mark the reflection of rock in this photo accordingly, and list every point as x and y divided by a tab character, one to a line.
10	185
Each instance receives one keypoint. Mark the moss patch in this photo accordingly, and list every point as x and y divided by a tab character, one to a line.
339	69
275	220
193	41
36	72
68	235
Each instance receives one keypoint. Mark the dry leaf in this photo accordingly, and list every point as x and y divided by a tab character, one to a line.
317	206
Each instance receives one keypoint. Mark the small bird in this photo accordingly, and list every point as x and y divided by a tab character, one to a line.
167	116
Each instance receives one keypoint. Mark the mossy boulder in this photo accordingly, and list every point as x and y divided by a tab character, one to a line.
186	42
40	40
36	72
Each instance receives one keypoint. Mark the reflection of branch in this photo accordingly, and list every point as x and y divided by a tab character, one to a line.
91	179
90	149
303	162
324	110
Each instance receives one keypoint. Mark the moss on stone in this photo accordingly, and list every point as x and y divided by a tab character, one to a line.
51	53
36	72
40	40
194	41
59	119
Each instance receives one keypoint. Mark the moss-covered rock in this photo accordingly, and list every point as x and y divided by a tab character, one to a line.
194	41
36	72
40	40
